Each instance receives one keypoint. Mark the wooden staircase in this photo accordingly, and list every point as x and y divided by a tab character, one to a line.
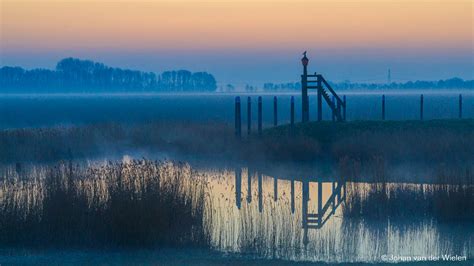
325	91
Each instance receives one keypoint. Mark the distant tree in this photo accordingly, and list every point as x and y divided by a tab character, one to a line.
230	88
75	75
249	88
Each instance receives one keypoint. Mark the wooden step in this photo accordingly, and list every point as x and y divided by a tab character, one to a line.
310	226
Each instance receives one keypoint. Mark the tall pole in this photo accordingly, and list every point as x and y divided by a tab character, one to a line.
320	98
259	115
249	115
304	89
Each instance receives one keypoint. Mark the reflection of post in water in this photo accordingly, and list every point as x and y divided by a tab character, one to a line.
260	193
333	188
304	202
249	185
320	200
325	209
305	199
238	187
275	189
317	220
292	196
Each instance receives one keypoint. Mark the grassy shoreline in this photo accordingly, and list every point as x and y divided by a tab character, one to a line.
432	141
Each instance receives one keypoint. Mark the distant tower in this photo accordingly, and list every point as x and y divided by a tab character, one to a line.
389	77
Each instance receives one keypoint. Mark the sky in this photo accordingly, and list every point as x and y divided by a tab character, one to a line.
247	41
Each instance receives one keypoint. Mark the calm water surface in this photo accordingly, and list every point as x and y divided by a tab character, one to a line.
311	219
324	218
306	217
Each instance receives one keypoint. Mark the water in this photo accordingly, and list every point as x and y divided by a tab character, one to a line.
307	219
50	110
251	215
276	213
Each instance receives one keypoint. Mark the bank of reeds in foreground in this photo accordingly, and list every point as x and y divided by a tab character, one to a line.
443	203
136	203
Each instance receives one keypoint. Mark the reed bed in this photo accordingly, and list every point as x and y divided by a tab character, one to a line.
410	202
276	233
128	203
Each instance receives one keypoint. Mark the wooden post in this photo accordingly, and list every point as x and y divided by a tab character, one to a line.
275	111
292	196
238	187
304	95
333	113
259	115
249	115
383	107
238	129
421	107
249	185
292	111
304	91
460	106
320	99
344	107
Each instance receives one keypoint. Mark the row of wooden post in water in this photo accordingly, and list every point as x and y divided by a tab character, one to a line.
238	111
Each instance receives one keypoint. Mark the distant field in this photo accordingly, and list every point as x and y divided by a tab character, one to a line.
20	111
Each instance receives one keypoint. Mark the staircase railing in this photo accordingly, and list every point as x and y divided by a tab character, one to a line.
335	107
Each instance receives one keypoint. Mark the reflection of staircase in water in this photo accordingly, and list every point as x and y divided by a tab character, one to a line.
309	220
317	220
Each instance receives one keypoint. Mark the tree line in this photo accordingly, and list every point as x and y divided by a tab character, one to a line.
452	83
75	75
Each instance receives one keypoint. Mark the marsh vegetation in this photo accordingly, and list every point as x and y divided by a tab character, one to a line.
142	203
135	203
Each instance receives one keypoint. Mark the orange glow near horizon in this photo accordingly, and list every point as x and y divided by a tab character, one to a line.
208	25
